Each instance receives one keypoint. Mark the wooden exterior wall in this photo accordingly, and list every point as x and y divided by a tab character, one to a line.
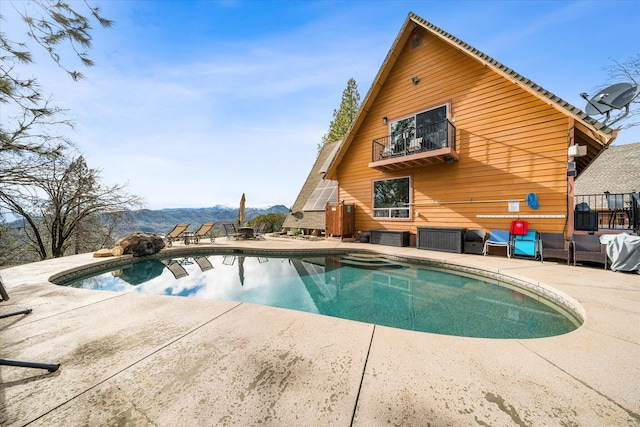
510	144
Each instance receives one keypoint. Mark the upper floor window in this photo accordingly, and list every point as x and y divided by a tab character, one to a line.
429	125
391	198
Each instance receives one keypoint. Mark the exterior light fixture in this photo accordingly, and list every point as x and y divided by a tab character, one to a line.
415	80
384	120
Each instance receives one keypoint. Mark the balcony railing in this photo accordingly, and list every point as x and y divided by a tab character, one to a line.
431	138
593	212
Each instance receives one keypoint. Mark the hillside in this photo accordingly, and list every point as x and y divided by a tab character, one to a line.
162	221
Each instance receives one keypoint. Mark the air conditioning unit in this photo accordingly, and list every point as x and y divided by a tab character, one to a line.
577	151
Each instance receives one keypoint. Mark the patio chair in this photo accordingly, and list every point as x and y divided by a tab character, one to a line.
386	152
500	238
230	231
205	230
176	268
553	245
415	145
204	263
617	210
177	233
259	232
587	247
51	367
526	245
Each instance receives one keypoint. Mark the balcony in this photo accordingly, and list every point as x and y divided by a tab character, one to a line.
431	144
607	212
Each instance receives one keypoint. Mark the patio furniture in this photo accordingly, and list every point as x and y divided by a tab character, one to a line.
51	367
177	233
499	238
553	245
474	241
204	263
259	231
616	206
587	247
415	145
230	230
205	230
246	233
176	268
584	218
526	245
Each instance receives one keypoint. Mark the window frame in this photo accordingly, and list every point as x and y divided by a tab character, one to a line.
390	209
414	115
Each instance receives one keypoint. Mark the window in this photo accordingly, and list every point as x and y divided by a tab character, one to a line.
391	198
431	125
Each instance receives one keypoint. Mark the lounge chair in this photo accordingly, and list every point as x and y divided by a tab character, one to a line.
205	230
553	245
176	268
204	263
51	367
587	247
230	231
177	233
500	238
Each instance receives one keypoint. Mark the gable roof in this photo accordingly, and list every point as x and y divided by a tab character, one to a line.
615	170
300	218
599	131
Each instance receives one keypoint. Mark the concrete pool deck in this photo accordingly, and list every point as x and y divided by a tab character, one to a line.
130	359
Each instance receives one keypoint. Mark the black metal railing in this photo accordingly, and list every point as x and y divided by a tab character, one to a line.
608	211
415	140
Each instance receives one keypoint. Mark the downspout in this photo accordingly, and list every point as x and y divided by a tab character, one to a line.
569	219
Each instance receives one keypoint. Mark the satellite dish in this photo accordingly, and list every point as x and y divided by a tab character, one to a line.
617	96
625	98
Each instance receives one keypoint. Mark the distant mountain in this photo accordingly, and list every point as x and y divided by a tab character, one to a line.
162	221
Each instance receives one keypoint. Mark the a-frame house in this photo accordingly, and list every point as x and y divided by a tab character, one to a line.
449	137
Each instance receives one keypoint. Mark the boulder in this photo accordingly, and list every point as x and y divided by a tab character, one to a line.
141	244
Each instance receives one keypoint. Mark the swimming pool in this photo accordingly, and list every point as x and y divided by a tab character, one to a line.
356	286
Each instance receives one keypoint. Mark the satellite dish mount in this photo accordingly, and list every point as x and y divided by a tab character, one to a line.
615	97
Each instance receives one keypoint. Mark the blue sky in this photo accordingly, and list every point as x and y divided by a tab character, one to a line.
194	103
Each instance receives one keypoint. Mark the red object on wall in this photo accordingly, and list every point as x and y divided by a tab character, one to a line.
519	227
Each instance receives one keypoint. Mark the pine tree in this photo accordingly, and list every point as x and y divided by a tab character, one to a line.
343	116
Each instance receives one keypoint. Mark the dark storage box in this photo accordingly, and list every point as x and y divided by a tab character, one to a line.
441	239
474	241
389	237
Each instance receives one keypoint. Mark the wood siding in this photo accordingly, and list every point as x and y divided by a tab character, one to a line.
510	144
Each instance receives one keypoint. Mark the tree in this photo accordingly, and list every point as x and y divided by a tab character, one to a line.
58	198
626	71
61	203
28	119
343	117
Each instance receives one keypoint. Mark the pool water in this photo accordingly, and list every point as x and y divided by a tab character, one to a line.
358	287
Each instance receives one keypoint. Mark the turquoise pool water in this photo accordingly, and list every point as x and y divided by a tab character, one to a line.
358	287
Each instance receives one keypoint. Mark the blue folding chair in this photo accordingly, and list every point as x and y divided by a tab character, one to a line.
500	238
527	245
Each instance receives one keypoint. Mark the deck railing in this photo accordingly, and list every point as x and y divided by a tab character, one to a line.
607	211
415	140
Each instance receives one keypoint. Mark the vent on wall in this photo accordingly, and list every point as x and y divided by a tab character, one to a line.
416	41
